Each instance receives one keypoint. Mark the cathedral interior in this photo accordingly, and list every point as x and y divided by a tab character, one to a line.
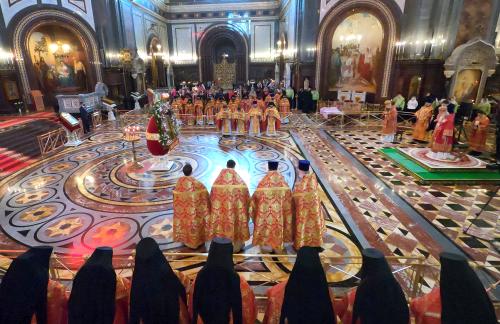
103	104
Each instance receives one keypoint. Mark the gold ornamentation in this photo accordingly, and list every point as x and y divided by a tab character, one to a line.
64	227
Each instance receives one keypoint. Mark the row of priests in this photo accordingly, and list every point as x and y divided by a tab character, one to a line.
156	293
279	215
252	122
442	126
201	112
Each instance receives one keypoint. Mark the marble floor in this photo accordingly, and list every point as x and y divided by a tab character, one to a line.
87	196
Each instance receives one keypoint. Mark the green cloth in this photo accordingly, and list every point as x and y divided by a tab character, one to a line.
399	102
315	95
484	107
289	93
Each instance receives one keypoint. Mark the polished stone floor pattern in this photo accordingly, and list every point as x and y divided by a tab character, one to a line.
88	196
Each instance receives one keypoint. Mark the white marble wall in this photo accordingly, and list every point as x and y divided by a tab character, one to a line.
326	5
82	8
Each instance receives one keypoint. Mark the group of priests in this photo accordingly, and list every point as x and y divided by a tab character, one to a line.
238	116
436	125
279	215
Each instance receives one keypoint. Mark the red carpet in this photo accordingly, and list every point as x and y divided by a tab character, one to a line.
9	121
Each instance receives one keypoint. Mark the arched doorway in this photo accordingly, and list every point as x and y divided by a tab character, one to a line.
219	43
69	50
356	47
157	67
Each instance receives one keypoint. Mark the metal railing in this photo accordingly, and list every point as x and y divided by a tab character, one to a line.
52	141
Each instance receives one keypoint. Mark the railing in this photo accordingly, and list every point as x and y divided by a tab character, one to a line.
51	141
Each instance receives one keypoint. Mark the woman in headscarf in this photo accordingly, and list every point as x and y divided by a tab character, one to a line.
305	297
460	299
220	295
157	294
379	297
98	296
26	293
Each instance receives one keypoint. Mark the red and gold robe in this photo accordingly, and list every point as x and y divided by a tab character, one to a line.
262	105
427	309
248	307
423	116
190	114
254	119
272	121
442	137
233	106
57	304
275	297
198	107
271	212
229	199
191	211
245	105
390	123
239	123
210	112
309	220
223	118
477	140
284	105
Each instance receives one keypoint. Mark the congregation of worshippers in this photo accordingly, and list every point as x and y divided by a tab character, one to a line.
158	294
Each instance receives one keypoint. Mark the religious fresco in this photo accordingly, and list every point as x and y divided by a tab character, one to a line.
59	60
467	85
356	54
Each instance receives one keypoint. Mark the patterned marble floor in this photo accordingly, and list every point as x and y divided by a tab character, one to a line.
450	208
87	196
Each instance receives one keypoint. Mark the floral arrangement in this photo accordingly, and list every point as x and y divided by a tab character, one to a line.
168	128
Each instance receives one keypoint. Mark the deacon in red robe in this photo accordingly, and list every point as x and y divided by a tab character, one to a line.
229	200
271	211
461	297
191	210
272	121
309	226
477	140
390	123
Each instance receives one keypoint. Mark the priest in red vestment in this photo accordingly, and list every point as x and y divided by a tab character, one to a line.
442	137
229	200
271	211
191	210
272	120
460	299
379	297
477	140
390	123
309	226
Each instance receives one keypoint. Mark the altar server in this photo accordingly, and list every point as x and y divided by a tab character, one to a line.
98	294
271	120
198	108
191	210
271	211
424	116
210	111
254	119
223	118
239	122
229	199
305	297
27	295
219	294
477	140
190	112
157	294
309	226
460	298
379	297
390	123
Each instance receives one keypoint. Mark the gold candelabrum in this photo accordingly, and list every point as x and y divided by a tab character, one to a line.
131	135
